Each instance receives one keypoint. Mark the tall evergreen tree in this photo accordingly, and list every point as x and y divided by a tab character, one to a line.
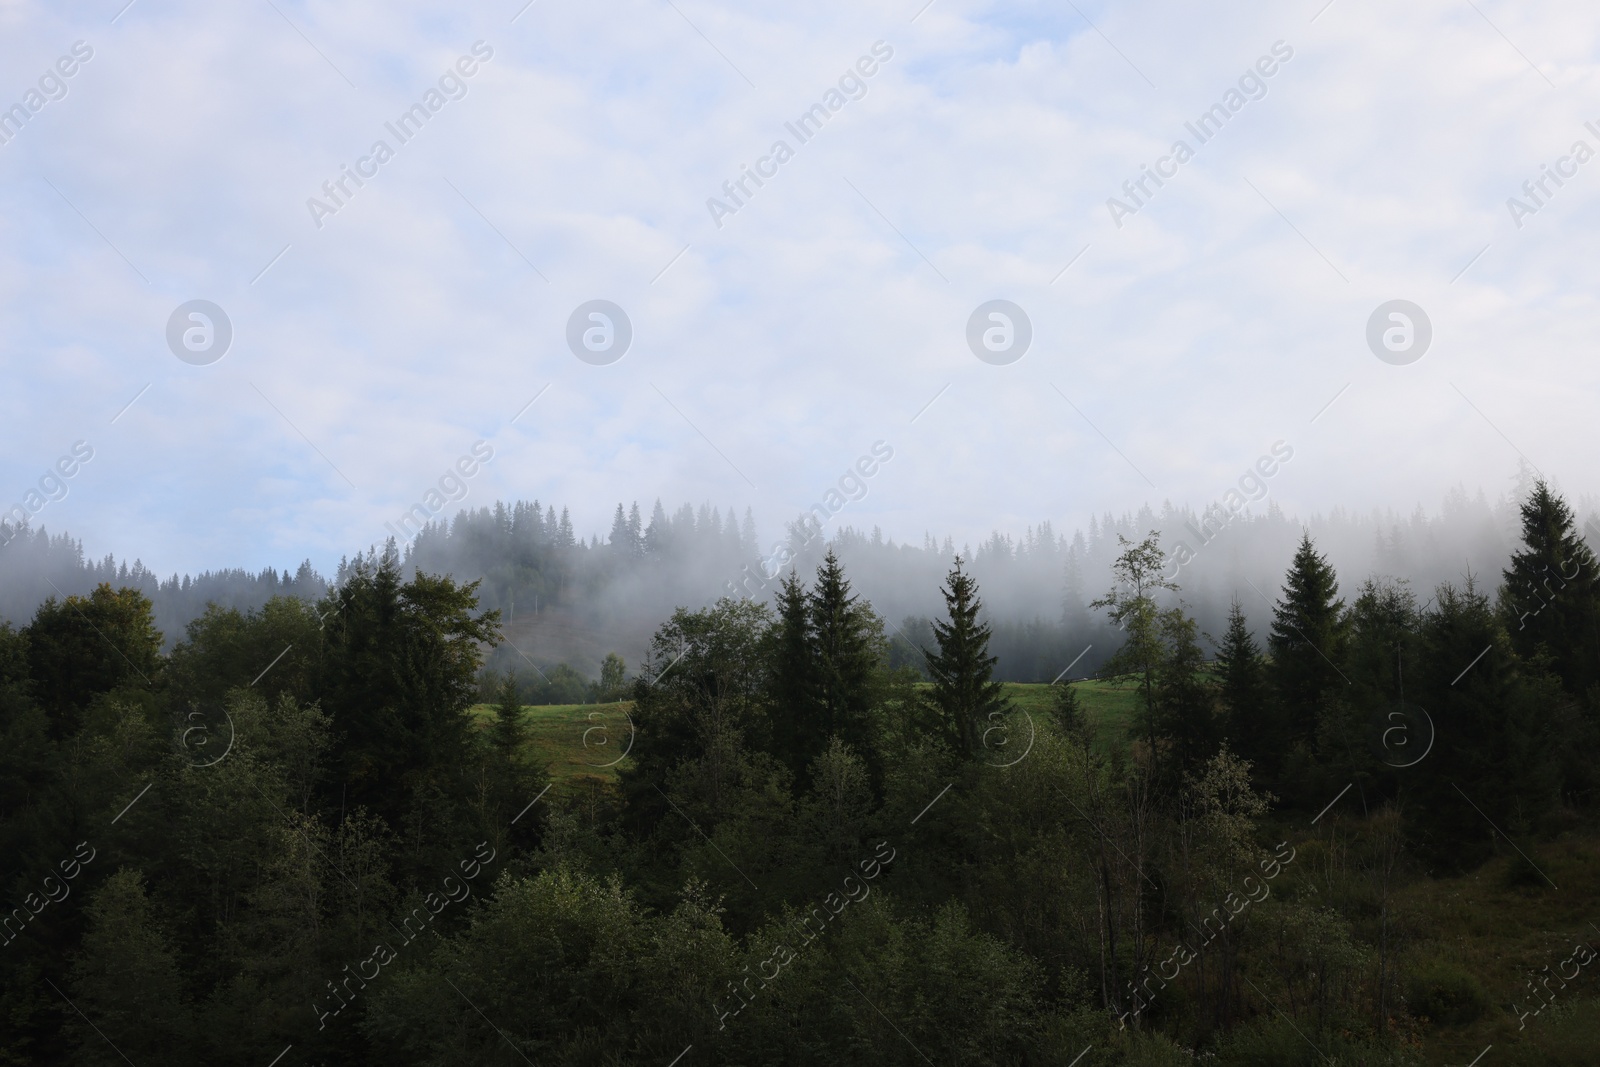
850	654
1248	724
1551	596
1185	705
1305	641
964	690
620	539
1495	739
507	729
798	734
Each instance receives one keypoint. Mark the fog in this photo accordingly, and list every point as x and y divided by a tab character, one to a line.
569	598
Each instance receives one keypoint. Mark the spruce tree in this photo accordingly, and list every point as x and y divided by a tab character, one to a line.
1495	738
1067	713
507	728
1305	639
1250	730
1551	596
964	690
798	735
1185	707
850	650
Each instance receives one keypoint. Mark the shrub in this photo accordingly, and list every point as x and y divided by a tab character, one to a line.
1446	993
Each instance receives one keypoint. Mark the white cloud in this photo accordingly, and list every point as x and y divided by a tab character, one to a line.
819	318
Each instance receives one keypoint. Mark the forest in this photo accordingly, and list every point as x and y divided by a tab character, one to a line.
1353	827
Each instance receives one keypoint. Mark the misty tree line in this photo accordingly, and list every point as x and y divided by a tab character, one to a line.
289	833
533	565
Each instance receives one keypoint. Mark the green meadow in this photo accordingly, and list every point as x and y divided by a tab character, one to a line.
583	744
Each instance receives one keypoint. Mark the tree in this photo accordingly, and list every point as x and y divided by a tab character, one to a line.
613	678
126	979
1250	728
1305	641
850	653
964	690
1067	713
1551	595
1185	708
797	738
507	729
399	668
1495	736
1131	605
83	646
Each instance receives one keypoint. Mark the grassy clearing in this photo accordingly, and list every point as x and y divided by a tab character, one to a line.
1109	705
577	741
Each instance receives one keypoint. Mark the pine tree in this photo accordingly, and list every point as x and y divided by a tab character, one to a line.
507	729
964	690
635	530
850	649
618	539
1495	738
1067	713
1551	596
1250	729
798	735
1185	708
1305	640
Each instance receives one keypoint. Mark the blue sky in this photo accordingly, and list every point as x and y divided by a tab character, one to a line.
770	352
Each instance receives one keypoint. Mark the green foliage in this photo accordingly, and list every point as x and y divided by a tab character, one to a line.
125	979
1131	605
850	653
1445	993
398	672
964	691
81	647
274	650
613	679
963	909
507	728
1184	703
1551	597
1306	642
1250	727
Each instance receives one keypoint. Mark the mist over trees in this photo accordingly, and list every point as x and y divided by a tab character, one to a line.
290	829
567	601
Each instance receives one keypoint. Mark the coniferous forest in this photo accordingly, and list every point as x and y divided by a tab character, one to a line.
1352	825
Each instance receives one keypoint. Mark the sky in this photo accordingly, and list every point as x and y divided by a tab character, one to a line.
781	335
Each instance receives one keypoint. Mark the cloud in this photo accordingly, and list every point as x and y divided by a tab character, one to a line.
829	310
